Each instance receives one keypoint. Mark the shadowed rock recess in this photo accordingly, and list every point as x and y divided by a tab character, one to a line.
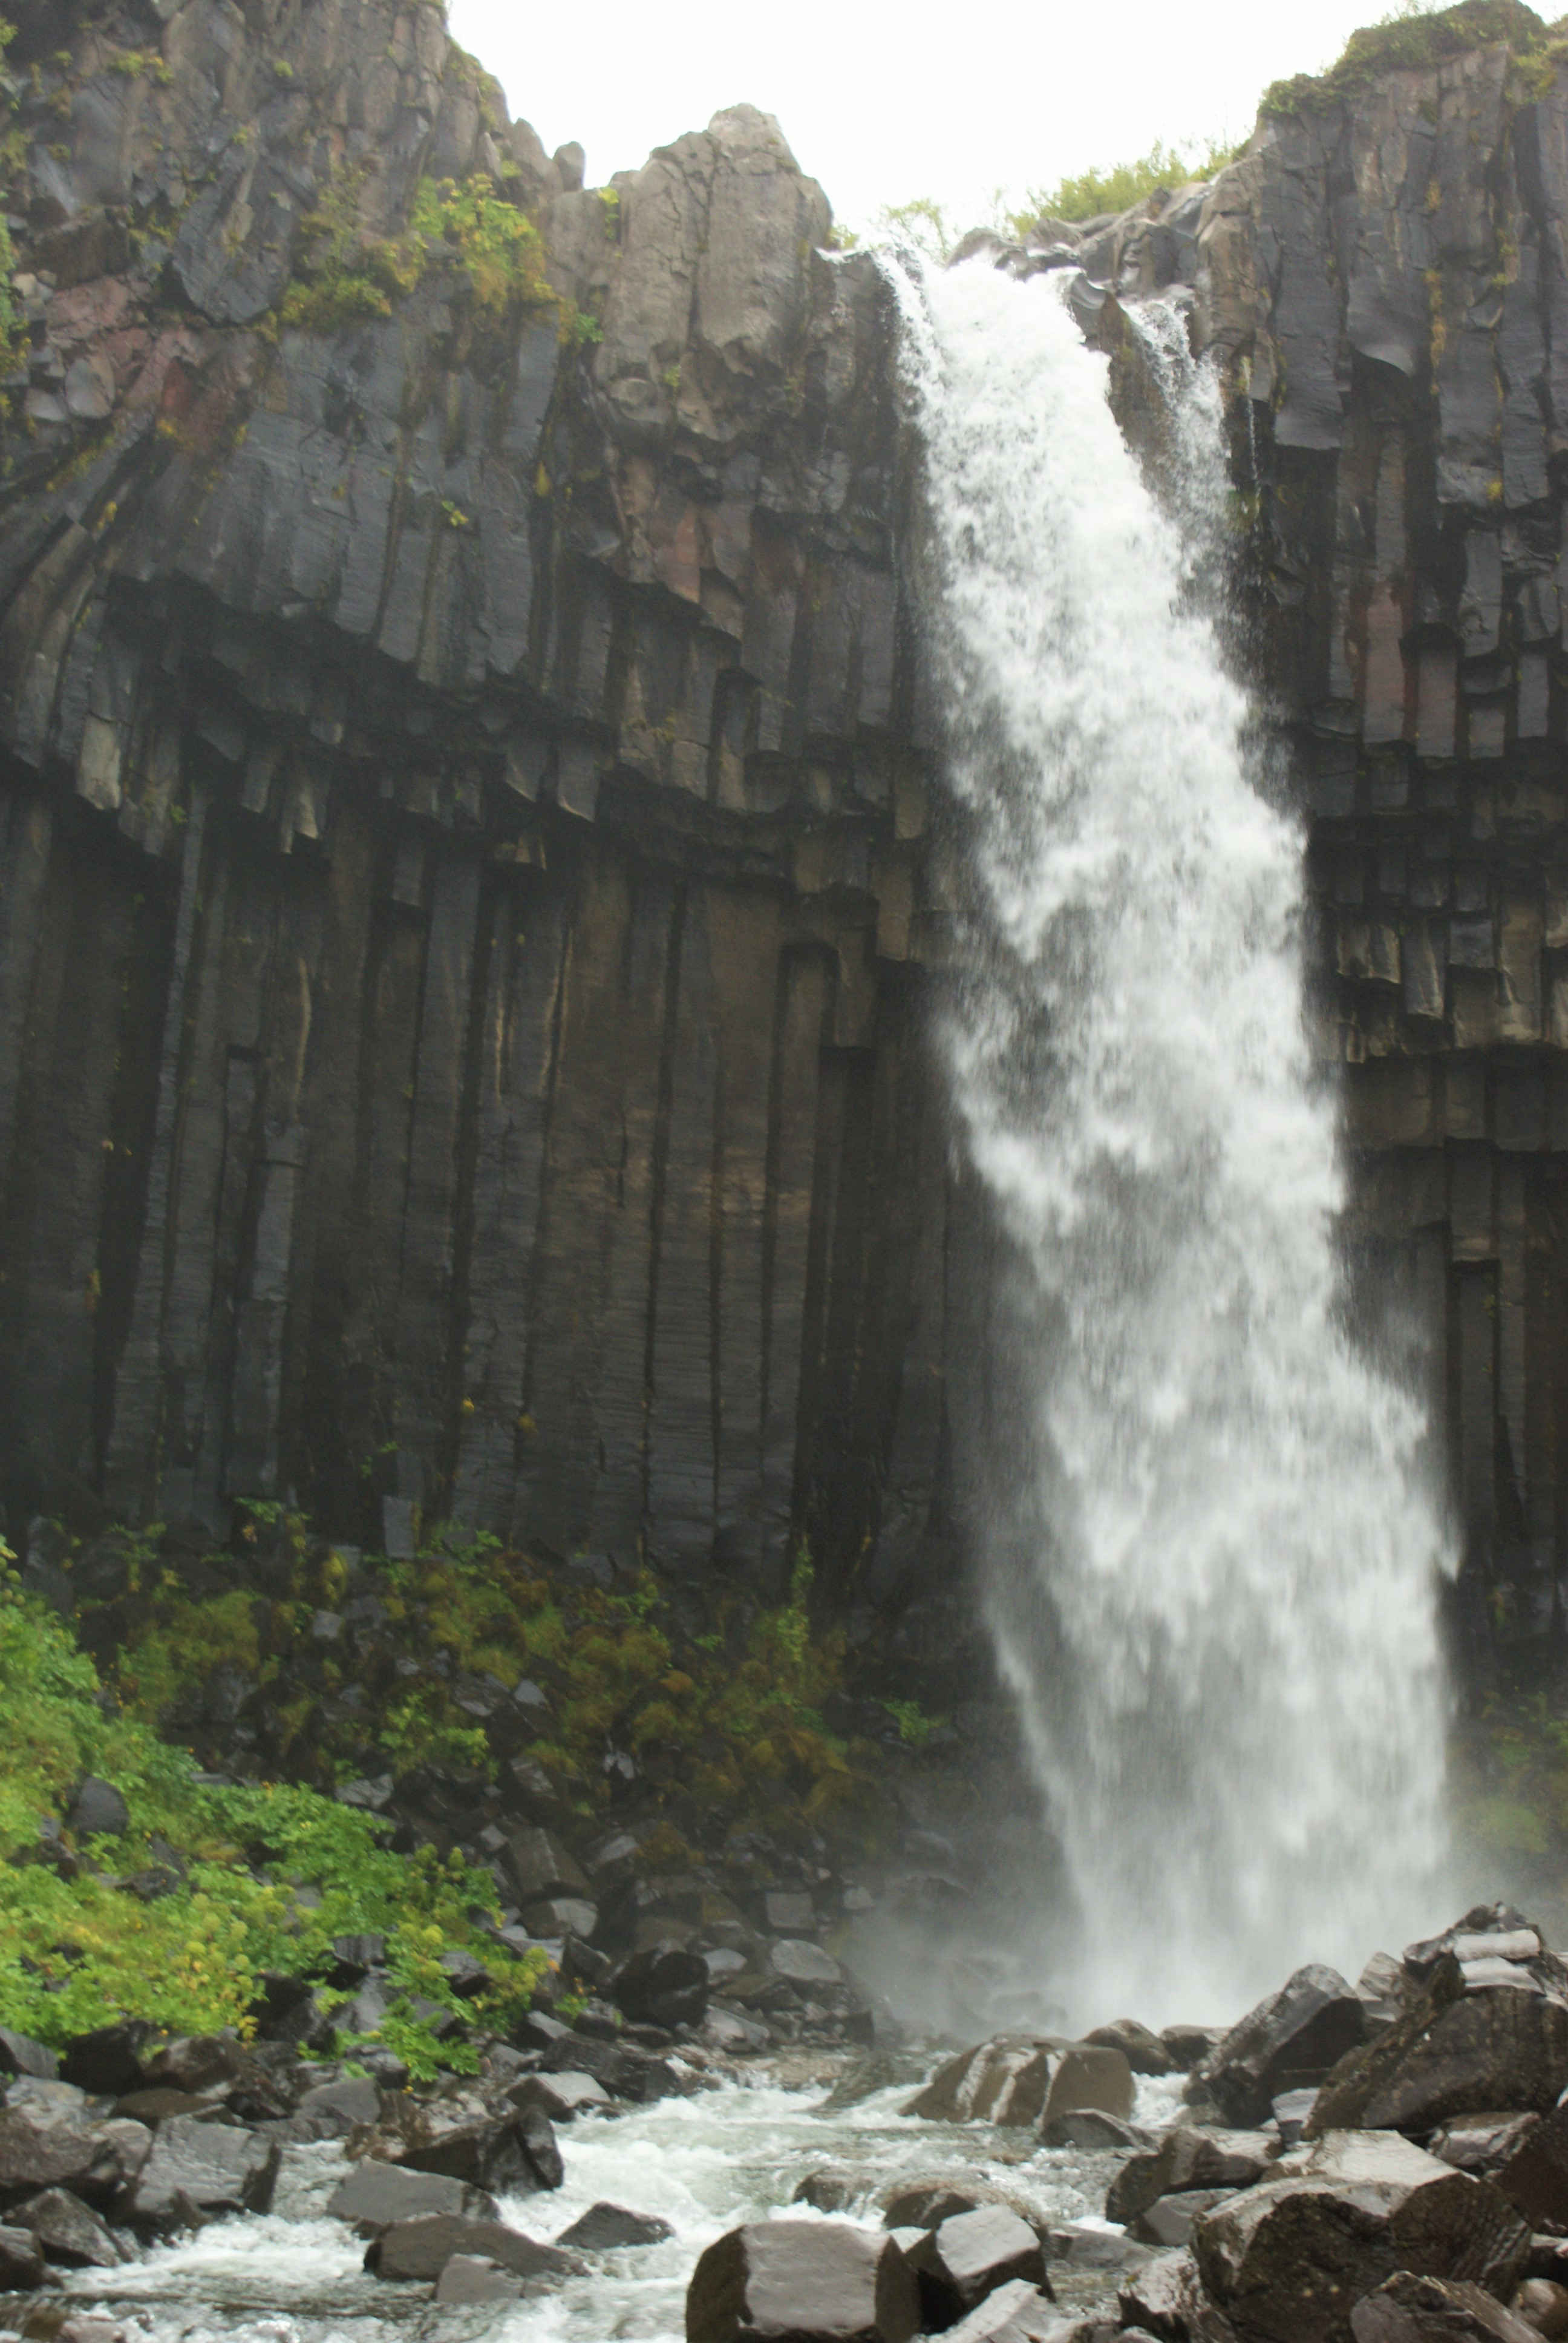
468	910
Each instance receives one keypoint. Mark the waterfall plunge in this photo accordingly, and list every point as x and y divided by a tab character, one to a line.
1212	1580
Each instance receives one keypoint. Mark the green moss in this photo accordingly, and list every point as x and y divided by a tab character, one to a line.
1412	38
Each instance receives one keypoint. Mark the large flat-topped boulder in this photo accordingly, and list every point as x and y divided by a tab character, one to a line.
1287	2260
802	2282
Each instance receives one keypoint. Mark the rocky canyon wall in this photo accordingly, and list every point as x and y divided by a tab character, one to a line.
469	908
460	910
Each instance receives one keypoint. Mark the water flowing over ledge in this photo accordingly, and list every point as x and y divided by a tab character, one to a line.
1213	1573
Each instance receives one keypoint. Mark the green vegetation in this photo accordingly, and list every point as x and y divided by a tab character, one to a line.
211	1886
348	276
1511	1770
1117	189
1411	36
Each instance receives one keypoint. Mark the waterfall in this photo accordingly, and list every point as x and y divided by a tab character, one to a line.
1211	1552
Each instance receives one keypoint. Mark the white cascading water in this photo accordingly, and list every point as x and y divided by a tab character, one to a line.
1214	1567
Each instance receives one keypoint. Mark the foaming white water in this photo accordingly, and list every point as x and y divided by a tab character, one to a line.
702	2165
1213	1556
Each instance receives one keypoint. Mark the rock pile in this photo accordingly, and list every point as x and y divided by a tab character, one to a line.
1379	2163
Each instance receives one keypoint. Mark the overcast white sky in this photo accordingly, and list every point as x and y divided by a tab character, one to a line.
883	105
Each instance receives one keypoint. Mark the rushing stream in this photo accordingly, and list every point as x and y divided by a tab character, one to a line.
1213	1554
702	2164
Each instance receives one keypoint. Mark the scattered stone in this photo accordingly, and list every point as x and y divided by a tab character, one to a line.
1166	2299
374	2196
475	2279
69	2232
1186	2160
805	2280
1291	2039
788	1912
194	2063
665	1986
1408	2309
1145	2052
1454	2052
968	2256
1170	2221
538	1866
201	2168
48	2143
1290	2259
802	1963
19	2055
97	1810
1532	2169
1188	2045
21	2263
1016	2313
1083	2246
559	2097
421	2248
926	2203
1091	2131
1542	2305
605	2228
340	2107
834	2189
107	2062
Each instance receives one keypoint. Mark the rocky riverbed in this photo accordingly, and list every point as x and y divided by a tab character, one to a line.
1375	2163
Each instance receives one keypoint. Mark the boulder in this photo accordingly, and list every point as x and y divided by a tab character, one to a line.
1532	2170
1016	2313
21	2263
968	2257
154	2108
1408	2309
98	1810
925	2204
422	2248
374	2196
538	1866
197	2063
200	2168
1294	2038
833	2190
68	2232
1170	2221
1458	2050
512	2155
604	2229
470	2278
1091	2131
46	2143
1185	2159
624	2072
1003	2081
1287	2260
803	1963
338	2108
1188	2045
1085	2078
802	2280
665	1986
559	2097
1145	2052
19	2055
1480	2143
1543	2306
107	2061
1166	2299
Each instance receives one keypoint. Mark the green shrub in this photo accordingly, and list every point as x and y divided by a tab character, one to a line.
79	1952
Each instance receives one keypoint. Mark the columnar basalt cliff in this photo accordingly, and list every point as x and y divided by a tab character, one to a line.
462	818
467	906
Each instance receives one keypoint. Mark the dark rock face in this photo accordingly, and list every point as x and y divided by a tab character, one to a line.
199	2170
495	767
